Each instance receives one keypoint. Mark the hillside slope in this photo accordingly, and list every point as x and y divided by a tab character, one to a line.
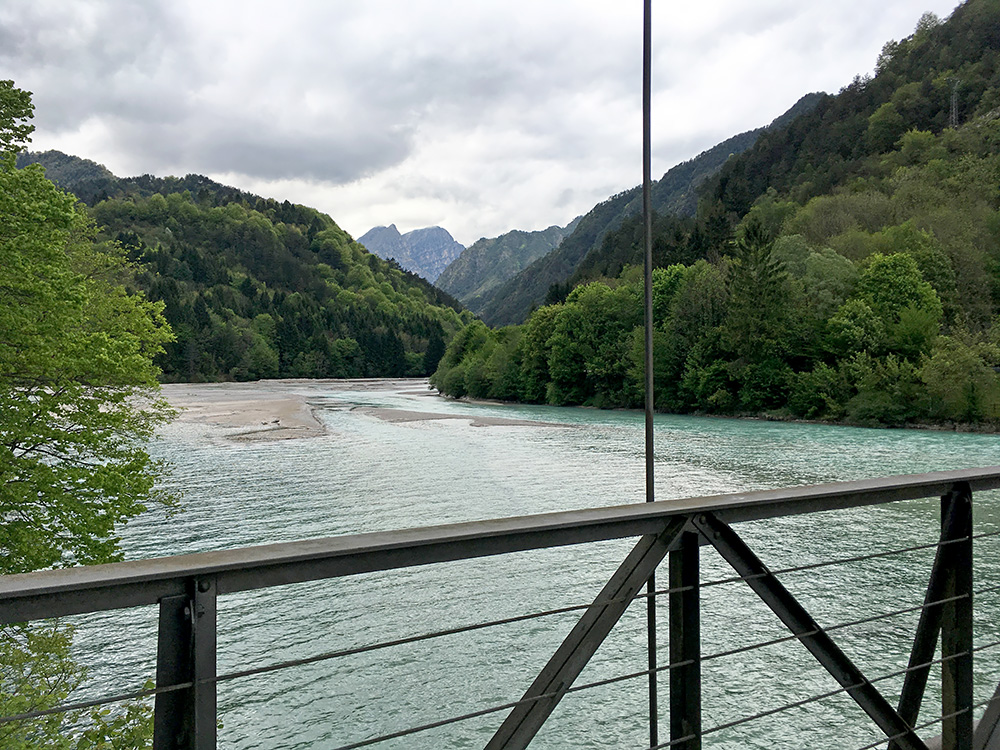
675	192
488	262
912	89
254	288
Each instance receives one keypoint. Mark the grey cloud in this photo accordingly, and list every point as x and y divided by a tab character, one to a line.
111	61
179	98
137	69
271	155
490	95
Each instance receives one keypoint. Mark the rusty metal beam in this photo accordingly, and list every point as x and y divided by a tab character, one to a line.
205	664
685	644
928	627
186	719
956	626
172	725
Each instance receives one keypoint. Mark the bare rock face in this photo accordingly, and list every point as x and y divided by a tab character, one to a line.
426	252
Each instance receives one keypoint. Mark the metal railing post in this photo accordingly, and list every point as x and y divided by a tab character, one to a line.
204	657
172	725
185	719
685	645
956	627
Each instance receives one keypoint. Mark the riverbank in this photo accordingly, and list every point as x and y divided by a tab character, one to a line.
271	410
982	428
252	412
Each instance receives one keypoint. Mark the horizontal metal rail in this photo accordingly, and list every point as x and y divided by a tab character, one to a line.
57	593
186	589
331	655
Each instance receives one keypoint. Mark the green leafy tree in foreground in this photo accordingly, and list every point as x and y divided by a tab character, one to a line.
78	398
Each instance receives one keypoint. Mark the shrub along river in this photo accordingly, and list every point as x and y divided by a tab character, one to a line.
382	462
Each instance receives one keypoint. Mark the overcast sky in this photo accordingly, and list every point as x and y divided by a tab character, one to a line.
480	116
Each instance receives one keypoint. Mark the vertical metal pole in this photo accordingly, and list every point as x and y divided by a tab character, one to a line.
172	723
685	645
647	212
185	653
956	628
204	648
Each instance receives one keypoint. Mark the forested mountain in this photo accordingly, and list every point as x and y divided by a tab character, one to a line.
489	262
426	252
92	182
255	288
67	171
846	267
674	193
912	90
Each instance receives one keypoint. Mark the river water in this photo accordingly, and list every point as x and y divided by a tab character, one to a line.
369	473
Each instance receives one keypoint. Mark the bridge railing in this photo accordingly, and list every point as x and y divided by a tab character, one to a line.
186	590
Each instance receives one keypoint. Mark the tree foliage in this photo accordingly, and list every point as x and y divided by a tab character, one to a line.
874	304
78	399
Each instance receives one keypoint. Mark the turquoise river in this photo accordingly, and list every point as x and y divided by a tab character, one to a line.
374	469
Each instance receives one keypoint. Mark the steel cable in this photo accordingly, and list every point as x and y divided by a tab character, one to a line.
468	628
643	673
536	615
66	708
522	618
830	694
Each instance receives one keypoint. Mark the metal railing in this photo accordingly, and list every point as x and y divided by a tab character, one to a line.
186	589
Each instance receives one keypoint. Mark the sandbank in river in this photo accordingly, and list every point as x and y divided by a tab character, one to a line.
281	410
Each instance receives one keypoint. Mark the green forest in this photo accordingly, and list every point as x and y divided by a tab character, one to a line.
845	268
255	288
271	290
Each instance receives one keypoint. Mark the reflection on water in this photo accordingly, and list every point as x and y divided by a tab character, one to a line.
370	474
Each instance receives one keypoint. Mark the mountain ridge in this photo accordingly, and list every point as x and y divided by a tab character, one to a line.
426	252
675	192
255	288
489	262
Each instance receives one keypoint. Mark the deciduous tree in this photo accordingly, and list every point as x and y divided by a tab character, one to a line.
78	399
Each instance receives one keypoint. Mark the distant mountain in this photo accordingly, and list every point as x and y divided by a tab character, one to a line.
256	288
490	262
425	252
675	192
65	170
92	182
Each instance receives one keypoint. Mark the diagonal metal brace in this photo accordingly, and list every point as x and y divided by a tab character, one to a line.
794	616
931	615
987	735
569	660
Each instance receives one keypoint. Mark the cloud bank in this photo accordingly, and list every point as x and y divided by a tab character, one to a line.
480	117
